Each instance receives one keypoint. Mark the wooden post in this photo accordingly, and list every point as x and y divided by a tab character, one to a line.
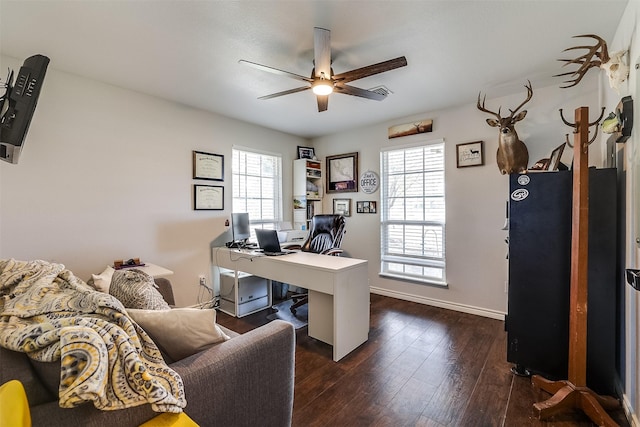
573	393
579	252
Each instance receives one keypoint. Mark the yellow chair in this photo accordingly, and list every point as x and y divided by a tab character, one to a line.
14	406
170	420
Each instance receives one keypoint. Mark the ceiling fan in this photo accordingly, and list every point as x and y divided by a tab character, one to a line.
323	82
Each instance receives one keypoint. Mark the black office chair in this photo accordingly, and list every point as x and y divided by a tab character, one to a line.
325	237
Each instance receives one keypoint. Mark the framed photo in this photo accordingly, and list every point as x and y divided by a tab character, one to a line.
554	160
366	207
470	154
342	173
342	207
208	166
306	152
208	197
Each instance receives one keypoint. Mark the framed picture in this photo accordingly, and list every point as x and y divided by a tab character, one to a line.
366	207
208	166
342	173
554	160
208	197
306	152
470	154
342	207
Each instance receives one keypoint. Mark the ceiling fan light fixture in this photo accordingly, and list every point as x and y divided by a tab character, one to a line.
322	86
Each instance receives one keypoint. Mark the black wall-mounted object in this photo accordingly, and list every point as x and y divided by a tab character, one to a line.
18	104
633	278
625	114
537	322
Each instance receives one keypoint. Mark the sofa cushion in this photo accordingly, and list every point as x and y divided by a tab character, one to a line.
136	289
102	281
180	332
49	373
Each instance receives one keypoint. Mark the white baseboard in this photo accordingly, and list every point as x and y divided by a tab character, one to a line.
632	417
479	311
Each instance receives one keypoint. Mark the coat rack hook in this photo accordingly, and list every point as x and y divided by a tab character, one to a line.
595	132
597	122
566	140
573	125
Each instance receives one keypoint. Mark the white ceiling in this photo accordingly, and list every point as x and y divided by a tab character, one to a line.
188	51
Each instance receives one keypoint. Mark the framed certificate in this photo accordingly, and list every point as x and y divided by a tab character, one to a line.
342	207
208	166
208	197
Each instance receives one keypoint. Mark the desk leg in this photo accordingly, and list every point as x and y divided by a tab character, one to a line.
321	317
350	312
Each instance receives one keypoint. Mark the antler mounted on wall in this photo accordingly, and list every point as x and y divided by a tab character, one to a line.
512	155
597	56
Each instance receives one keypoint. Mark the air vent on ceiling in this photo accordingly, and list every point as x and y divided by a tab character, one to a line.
382	90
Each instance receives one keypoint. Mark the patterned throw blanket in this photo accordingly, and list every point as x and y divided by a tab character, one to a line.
48	313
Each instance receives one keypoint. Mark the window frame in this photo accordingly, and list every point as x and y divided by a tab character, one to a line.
406	257
237	193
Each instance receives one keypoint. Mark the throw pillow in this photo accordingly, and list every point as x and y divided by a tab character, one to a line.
180	332
102	281
136	289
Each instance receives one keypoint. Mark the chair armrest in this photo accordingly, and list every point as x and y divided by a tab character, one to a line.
245	381
332	251
292	246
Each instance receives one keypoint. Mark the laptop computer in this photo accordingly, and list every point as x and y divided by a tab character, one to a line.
269	243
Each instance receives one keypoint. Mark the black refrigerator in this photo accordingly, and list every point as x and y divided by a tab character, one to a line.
537	321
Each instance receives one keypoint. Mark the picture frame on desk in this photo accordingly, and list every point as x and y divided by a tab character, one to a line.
208	166
208	197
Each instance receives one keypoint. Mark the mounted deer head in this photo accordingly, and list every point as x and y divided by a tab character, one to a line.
597	56
512	155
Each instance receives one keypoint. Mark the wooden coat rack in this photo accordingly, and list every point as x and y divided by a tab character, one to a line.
573	393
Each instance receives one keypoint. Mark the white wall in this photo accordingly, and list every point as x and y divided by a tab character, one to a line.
475	196
627	38
106	174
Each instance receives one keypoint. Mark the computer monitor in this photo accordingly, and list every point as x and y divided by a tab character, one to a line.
240	228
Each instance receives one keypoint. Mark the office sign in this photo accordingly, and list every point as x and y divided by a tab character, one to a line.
369	182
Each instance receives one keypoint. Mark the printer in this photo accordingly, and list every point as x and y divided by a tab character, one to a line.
286	234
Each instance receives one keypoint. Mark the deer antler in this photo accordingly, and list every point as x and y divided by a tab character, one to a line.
482	108
586	61
529	95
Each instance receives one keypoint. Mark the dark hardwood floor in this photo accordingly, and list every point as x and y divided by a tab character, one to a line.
422	366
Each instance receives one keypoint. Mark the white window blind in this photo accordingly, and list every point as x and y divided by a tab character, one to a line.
257	187
413	213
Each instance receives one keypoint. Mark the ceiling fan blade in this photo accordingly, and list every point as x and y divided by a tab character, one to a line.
323	102
276	71
356	91
286	92
370	70
322	52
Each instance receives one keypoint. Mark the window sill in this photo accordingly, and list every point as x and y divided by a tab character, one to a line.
427	282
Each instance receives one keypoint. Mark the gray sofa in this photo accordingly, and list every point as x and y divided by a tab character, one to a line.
245	381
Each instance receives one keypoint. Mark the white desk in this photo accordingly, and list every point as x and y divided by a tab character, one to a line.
338	291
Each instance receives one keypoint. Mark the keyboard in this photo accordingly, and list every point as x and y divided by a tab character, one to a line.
283	252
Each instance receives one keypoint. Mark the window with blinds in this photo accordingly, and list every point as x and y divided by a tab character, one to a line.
257	187
412	229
